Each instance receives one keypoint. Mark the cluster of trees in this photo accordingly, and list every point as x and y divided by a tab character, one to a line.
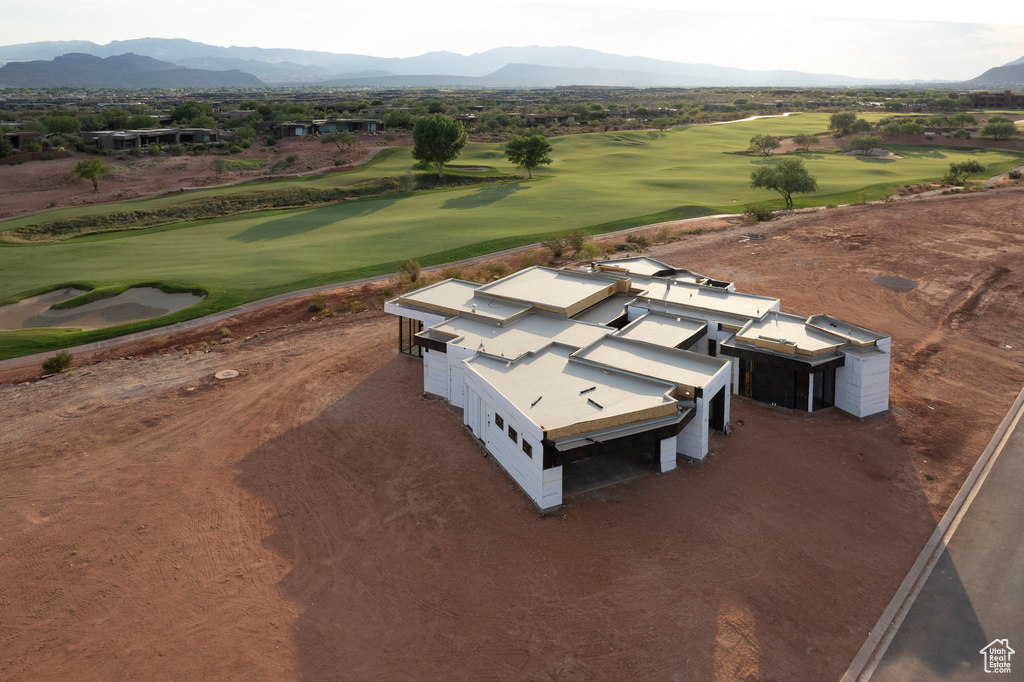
439	139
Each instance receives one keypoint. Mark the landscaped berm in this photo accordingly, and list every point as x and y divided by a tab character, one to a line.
133	305
597	182
319	517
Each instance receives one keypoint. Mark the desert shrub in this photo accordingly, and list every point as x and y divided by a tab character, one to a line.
33	147
176	150
451	272
135	151
340	162
356	306
663	235
1014	174
639	241
556	245
529	259
590	251
154	150
962	134
234	149
576	239
410	268
317	303
225	333
497	269
57	363
757	213
390	136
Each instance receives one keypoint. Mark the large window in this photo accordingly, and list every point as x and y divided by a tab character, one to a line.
512	434
408	328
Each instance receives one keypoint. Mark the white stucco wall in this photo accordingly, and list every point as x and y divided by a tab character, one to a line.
862	385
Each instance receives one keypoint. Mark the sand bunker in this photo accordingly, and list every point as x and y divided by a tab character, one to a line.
894	283
140	303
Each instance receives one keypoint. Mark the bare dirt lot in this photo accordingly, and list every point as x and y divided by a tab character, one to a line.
318	518
38	185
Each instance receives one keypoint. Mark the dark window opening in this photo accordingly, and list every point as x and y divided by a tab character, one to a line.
716	411
712	348
824	388
408	344
528	449
499	421
512	434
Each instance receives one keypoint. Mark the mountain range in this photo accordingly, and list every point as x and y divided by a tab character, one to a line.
500	67
120	71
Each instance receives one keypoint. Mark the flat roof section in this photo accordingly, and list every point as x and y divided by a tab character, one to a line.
789	334
559	291
641	265
606	311
671	331
510	340
454	296
711	299
565	398
689	371
858	336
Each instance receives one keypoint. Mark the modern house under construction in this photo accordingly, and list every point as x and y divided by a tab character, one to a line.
627	359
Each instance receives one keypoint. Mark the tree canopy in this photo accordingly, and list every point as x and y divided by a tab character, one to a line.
765	143
786	176
341	139
437	140
998	128
805	140
842	122
958	172
865	143
91	169
529	152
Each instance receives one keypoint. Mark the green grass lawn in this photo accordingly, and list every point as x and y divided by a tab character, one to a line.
597	182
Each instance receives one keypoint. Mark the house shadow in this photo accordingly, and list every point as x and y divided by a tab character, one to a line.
300	220
941	636
484	196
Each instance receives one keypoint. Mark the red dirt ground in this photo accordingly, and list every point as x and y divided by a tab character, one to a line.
318	518
37	185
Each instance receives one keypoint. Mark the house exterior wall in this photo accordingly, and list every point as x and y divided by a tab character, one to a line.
667	454
862	385
542	486
435	373
693	440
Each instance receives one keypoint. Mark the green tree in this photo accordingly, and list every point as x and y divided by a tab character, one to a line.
805	140
437	140
662	122
529	152
203	121
63	125
998	128
341	140
786	176
115	118
861	125
958	172
91	169
842	123
186	111
141	121
911	128
865	143
6	146
962	120
765	143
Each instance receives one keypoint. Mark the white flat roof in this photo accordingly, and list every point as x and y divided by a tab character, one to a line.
555	289
858	335
684	368
607	310
455	296
662	329
710	298
790	329
564	397
641	265
530	332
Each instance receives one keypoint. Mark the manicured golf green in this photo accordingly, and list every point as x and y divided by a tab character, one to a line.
597	182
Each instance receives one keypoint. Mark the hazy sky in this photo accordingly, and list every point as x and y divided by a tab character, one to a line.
880	40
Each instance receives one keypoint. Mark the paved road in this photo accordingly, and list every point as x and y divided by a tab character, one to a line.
975	593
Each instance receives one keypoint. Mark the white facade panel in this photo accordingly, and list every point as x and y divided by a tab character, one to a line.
428	319
667	453
435	373
543	487
862	385
692	441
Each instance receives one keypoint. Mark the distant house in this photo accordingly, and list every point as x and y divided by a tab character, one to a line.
22	138
996	100
467	120
322	127
560	117
118	140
